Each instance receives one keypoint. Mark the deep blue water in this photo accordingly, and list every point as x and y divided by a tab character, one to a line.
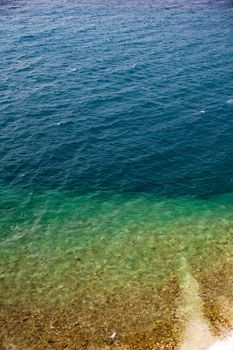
121	95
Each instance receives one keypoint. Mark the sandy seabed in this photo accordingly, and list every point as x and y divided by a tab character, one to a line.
184	316
139	274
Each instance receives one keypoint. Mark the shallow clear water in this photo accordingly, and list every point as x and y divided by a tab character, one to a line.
116	155
54	242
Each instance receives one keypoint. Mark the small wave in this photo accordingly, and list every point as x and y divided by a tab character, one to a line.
72	70
202	111
230	101
64	122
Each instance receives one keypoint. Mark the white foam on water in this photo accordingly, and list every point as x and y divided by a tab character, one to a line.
230	101
72	70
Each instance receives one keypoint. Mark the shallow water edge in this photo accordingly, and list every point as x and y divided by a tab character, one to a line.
110	270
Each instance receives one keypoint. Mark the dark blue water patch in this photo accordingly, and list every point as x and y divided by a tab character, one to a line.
129	97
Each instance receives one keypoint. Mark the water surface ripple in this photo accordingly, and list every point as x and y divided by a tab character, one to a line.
117	96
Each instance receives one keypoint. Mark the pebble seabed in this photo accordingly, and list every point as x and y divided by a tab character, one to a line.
168	266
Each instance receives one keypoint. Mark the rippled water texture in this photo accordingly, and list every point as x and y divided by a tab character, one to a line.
116	177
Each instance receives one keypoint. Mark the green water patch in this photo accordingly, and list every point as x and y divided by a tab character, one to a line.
57	245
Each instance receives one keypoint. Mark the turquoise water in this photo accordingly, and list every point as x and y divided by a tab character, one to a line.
116	155
53	242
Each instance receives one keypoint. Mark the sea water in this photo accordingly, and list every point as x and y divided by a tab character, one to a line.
116	174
